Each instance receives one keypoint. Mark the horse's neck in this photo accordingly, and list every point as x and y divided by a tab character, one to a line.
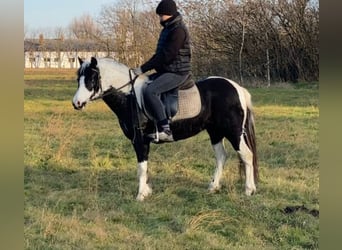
112	75
117	75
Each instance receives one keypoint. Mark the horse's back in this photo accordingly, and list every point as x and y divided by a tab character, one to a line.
220	91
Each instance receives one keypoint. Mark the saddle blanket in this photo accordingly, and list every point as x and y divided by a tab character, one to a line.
189	103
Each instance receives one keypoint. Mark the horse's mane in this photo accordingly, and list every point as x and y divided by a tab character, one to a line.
110	62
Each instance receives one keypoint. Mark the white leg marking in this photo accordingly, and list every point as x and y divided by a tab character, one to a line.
144	189
246	156
221	156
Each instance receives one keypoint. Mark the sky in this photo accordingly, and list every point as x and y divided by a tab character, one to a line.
42	14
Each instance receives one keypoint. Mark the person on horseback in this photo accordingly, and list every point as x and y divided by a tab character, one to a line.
172	63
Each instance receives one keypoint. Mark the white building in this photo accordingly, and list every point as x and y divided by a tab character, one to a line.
54	53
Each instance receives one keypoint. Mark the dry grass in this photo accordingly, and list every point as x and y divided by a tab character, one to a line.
49	74
207	219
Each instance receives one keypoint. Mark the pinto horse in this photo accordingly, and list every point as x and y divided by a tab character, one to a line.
226	112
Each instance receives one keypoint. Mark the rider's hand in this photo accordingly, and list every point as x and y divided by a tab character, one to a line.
137	71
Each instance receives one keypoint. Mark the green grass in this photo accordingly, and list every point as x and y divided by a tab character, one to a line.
81	178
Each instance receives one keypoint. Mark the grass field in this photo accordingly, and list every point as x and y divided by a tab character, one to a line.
81	178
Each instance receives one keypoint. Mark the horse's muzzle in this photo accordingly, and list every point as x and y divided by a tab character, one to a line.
79	105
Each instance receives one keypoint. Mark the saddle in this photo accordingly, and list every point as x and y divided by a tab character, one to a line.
180	103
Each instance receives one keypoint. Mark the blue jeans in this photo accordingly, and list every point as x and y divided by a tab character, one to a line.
161	84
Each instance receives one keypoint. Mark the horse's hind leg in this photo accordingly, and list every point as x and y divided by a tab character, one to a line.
221	157
246	156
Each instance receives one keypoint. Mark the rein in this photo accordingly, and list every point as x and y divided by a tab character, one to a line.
111	89
137	129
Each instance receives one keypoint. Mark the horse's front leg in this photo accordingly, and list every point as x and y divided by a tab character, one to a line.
142	151
144	188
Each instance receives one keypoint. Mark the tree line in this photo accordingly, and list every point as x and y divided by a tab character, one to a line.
251	41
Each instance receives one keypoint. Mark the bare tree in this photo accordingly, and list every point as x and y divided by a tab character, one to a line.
263	40
130	29
84	27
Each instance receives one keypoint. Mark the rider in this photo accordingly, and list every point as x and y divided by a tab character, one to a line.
171	61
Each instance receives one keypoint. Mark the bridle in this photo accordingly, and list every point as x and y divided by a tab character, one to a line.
111	89
98	86
138	133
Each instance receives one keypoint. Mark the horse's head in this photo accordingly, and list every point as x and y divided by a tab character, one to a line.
89	85
96	77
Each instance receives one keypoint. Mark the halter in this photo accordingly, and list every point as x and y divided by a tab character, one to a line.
99	85
111	89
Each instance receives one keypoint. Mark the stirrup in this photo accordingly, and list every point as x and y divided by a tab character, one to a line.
153	136
161	136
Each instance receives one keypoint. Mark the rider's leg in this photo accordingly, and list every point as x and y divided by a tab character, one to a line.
152	92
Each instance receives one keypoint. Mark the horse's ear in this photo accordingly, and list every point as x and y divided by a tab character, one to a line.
80	60
93	62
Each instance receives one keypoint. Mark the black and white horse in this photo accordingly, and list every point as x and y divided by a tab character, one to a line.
226	113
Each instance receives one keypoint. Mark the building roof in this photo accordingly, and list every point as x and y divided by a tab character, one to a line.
62	45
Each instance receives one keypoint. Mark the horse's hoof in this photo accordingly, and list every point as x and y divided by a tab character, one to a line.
213	188
144	193
140	197
250	191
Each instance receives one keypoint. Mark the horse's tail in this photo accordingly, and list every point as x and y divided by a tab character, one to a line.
250	133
